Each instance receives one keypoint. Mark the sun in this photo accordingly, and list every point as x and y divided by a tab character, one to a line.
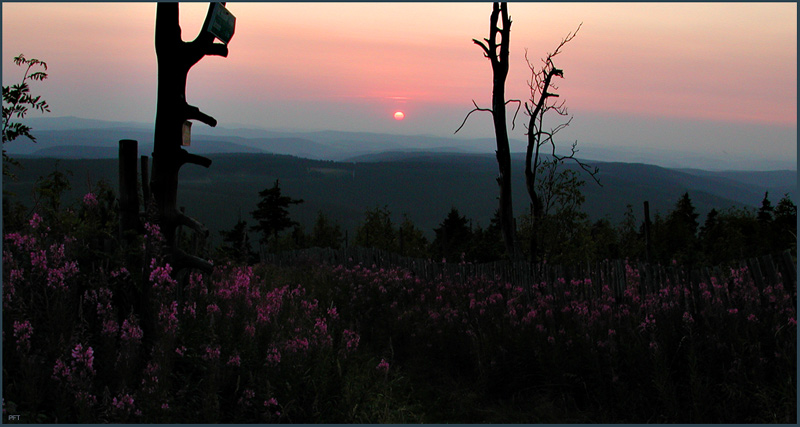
399	115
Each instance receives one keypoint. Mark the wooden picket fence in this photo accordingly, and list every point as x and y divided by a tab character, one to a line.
764	271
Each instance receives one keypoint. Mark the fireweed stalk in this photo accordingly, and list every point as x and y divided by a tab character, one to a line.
239	341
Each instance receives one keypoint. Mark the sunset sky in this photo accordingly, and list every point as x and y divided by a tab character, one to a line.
708	77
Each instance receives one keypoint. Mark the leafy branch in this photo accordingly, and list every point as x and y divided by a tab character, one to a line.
17	99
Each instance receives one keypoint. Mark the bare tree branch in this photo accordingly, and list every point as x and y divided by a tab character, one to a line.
472	111
543	101
519	104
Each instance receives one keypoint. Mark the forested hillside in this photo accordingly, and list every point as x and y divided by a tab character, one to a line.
423	186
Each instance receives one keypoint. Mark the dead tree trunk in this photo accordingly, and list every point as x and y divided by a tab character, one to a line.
499	62
175	58
500	72
532	155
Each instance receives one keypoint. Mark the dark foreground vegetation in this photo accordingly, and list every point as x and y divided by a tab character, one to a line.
315	342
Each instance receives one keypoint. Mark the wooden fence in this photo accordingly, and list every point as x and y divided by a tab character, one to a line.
764	271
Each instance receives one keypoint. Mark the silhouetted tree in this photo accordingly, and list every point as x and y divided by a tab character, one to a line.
730	235
326	234
711	233
272	214
16	100
605	241
236	244
48	191
557	232
542	102
765	211
411	240
487	243
630	238
298	239
679	233
765	225
377	230
499	61
785	225
453	237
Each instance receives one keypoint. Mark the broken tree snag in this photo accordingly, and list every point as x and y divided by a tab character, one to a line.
175	58
499	61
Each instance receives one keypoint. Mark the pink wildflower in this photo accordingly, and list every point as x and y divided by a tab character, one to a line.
190	309
35	221
39	259
320	326
85	398
273	356
123	403
86	357
110	328
61	371
351	339
131	331
23	332
168	315
234	360
383	366
212	353
297	345
122	272
153	231
90	200
161	276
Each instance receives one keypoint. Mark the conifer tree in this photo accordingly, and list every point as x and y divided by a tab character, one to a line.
453	237
273	213
326	234
681	231
377	230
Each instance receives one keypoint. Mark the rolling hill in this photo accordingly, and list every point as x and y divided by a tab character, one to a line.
81	138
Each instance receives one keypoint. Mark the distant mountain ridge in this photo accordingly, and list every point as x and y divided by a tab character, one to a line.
72	133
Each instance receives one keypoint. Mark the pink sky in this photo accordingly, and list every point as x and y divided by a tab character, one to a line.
350	66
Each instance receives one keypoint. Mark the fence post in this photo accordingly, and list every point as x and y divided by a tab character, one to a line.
788	271
128	188
647	249
145	164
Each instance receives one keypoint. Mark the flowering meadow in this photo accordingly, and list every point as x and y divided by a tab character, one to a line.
313	342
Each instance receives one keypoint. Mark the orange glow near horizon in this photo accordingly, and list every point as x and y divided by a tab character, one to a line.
696	61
